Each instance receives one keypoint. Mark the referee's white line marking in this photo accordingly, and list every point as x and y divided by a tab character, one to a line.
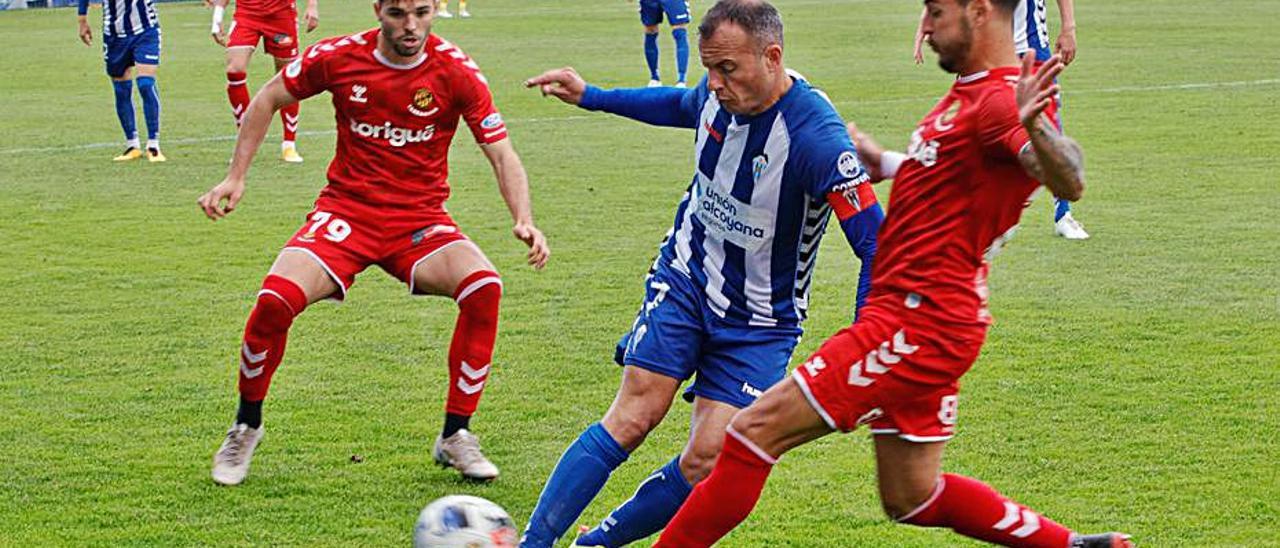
1121	89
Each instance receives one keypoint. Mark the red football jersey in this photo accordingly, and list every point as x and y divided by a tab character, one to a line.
263	8
395	122
956	199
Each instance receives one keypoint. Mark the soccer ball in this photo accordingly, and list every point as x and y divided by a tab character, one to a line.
461	521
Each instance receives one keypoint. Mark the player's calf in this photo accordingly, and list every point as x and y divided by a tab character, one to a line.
470	355
265	334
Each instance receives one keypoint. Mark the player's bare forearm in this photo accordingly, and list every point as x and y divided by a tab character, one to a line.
1055	160
1067	14
513	182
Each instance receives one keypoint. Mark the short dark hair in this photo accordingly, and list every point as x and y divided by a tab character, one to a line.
758	18
1006	5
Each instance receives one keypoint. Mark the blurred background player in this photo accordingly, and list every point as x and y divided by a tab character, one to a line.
677	12
958	193
727	295
275	23
462	9
1031	34
398	93
130	41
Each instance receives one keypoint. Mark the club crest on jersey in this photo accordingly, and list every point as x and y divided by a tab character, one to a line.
421	105
849	166
944	121
758	165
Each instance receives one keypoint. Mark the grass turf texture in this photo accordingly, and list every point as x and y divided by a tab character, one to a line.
1130	382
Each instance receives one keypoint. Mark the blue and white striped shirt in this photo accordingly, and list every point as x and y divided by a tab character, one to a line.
1031	29
747	230
122	18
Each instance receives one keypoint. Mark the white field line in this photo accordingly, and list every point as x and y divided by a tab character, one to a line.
1122	89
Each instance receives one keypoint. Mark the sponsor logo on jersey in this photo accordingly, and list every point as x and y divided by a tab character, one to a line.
357	93
730	219
921	151
422	235
395	136
492	121
712	132
421	105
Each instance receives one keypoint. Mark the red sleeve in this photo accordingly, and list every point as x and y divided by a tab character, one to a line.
308	75
478	110
1001	132
850	201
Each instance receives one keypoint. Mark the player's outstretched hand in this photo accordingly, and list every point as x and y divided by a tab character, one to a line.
211	202
219	36
312	16
532	237
563	83
869	151
1036	88
86	33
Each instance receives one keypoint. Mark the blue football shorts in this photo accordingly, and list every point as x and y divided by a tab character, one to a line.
677	12
677	335
122	52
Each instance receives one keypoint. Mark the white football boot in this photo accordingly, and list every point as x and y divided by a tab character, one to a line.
463	13
655	83
231	462
1068	227
461	451
444	14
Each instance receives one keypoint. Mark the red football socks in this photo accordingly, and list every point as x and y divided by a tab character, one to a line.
973	509
289	117
238	94
722	500
472	348
279	302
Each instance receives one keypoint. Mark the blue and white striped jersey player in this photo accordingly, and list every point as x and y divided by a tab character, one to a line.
130	42
729	290
1031	35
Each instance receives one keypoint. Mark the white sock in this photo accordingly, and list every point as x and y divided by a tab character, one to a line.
134	143
153	143
287	144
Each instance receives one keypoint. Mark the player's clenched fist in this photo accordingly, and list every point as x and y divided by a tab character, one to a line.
539	252
563	83
211	202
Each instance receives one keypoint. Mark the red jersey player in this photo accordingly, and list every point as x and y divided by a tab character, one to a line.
398	93
275	23
972	164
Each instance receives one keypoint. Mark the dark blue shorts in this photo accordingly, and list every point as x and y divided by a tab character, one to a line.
677	335
122	52
677	12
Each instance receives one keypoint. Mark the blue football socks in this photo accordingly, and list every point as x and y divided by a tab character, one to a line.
578	477
651	54
124	108
681	36
1060	208
646	512
150	105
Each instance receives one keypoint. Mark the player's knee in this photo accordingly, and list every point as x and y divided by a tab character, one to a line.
696	462
480	293
279	302
902	500
237	65
630	427
651	30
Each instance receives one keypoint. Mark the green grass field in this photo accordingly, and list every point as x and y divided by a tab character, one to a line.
1132	381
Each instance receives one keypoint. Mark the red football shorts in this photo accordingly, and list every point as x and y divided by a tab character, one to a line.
347	237
893	370
278	31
